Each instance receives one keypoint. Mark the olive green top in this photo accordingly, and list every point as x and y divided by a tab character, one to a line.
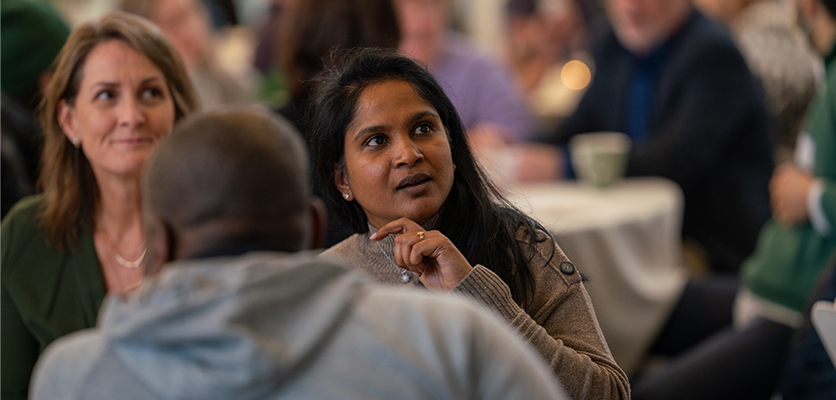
46	294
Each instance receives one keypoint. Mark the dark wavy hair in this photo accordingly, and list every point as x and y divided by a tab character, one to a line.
475	216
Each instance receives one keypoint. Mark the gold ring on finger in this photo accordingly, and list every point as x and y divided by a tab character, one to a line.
420	236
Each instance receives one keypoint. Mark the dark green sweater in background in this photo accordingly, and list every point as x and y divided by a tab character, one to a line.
788	260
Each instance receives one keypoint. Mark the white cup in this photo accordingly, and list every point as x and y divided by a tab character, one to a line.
599	158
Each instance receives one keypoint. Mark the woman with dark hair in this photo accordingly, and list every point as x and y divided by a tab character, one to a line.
392	159
117	91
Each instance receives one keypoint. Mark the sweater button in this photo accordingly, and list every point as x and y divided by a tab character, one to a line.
567	268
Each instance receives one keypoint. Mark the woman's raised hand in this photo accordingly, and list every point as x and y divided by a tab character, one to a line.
430	255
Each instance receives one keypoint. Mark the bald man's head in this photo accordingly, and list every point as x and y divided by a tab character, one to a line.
228	179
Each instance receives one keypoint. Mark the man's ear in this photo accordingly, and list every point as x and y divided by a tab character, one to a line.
319	223
161	245
341	181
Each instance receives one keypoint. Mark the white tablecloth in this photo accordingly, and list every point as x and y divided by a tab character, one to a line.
626	240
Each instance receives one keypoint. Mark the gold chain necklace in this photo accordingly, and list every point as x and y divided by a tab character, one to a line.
121	260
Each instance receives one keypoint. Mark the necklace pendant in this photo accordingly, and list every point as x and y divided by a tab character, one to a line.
131	264
406	276
121	260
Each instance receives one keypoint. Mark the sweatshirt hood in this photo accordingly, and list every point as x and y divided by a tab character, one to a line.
229	327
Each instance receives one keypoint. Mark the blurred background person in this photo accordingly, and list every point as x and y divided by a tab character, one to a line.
779	55
486	95
793	252
31	35
266	52
543	37
677	85
118	88
810	373
271	88
314	31
188	25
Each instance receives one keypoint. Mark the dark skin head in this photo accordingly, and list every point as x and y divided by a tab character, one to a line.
229	179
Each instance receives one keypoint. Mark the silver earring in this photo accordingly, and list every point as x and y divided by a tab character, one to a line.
75	141
346	196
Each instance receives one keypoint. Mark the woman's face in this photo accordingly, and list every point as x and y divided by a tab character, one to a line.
422	24
187	25
122	110
397	155
641	25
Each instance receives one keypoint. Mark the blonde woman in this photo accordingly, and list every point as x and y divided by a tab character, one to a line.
118	89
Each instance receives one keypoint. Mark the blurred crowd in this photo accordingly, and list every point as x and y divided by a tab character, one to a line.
730	99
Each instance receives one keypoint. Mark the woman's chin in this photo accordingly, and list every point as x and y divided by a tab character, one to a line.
128	167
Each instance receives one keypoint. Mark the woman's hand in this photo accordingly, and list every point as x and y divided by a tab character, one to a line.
430	255
788	191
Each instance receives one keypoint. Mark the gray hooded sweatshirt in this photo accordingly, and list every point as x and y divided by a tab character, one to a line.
273	325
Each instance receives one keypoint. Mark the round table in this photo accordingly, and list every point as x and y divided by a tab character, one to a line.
626	240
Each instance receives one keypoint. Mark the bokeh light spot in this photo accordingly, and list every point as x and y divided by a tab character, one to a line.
575	75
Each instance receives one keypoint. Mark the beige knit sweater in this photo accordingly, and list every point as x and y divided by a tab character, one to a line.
560	322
